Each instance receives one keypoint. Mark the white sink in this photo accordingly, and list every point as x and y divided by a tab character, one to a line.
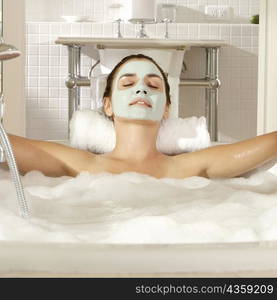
136	43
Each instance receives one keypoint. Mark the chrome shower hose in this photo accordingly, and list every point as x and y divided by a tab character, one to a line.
22	203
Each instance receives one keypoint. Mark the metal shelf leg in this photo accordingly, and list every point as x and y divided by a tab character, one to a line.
211	92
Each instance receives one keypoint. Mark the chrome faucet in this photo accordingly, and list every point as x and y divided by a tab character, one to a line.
142	33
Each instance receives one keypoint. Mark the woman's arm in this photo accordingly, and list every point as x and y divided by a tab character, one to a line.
47	157
234	159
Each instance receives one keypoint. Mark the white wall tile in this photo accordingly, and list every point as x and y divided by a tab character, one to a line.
225	30
54	82
44	28
75	29
32	39
54	50
236	30
86	29
55	28
32	49
43	60
54	60
44	72
32	29
54	71
43	50
43	91
32	82
32	71
54	92
44	38
33	60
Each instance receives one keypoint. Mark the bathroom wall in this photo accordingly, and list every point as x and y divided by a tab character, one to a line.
46	67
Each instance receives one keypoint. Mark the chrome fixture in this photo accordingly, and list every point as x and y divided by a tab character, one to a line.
118	31
7	51
168	15
142	33
93	67
6	152
166	21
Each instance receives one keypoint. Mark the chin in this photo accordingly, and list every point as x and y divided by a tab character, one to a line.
135	121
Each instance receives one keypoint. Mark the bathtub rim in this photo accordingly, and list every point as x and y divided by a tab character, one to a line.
100	258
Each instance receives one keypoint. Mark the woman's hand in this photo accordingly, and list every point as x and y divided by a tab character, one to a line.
234	159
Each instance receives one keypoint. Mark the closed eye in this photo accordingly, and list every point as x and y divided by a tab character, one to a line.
152	86
125	85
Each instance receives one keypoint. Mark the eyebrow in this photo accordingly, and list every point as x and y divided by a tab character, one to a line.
133	74
153	75
127	75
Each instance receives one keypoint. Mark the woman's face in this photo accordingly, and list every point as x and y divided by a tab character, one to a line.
139	91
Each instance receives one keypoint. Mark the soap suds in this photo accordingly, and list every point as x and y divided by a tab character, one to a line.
137	208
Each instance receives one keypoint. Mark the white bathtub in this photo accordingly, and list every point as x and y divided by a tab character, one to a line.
64	259
92	260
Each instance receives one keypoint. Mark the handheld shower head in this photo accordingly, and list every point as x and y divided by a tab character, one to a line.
8	51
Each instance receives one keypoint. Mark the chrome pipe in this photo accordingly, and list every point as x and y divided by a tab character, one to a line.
92	68
194	82
83	81
72	83
211	105
74	74
213	83
2	155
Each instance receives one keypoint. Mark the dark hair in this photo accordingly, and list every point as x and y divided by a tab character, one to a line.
110	78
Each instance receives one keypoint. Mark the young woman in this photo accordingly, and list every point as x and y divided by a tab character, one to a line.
137	99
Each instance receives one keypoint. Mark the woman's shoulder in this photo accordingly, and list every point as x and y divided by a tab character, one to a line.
73	159
189	164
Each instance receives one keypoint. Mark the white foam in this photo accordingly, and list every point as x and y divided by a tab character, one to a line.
137	208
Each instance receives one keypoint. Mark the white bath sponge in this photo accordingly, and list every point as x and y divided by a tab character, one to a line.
92	130
183	135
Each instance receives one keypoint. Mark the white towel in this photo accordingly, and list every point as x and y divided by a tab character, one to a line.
92	130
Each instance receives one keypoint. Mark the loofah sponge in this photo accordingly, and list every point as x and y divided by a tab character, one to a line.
92	130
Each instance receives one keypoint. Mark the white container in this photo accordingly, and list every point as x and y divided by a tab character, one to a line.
143	9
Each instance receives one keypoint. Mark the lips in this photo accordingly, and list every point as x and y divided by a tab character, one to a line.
141	101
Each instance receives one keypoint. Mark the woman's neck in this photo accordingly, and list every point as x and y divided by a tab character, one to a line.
135	140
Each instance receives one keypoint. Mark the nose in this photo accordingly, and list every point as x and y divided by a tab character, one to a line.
141	91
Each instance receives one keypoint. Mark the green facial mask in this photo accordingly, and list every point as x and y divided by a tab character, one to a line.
121	99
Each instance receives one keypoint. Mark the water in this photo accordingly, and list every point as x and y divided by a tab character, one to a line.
137	208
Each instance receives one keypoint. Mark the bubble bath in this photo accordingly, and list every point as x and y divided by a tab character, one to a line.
132	208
